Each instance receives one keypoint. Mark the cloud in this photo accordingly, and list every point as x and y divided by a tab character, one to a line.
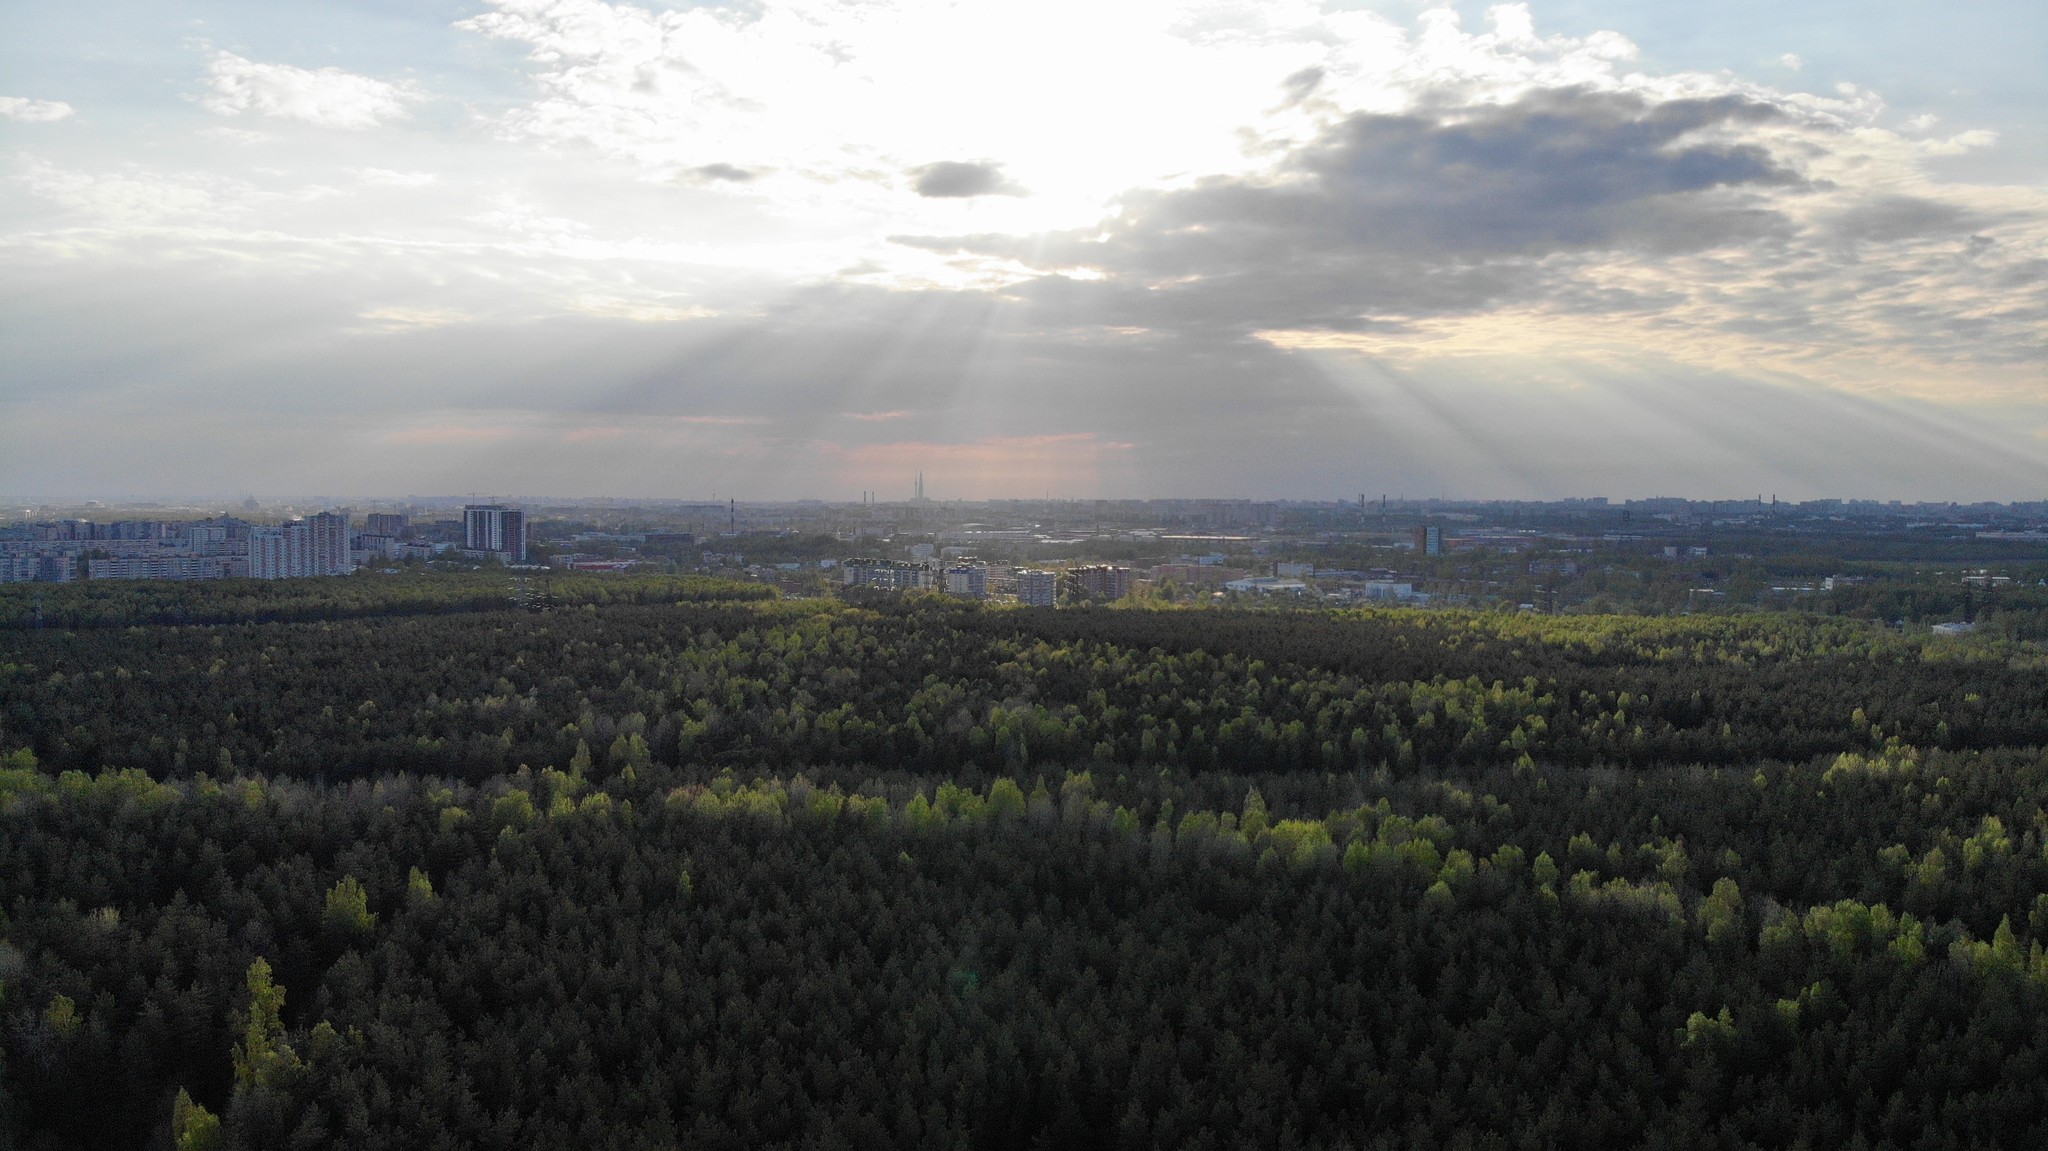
327	97
1736	229
1302	85
29	111
1398	215
133	196
238	136
841	97
953	179
727	173
434	435
1892	217
388	178
640	309
1264	244
1554	171
402	319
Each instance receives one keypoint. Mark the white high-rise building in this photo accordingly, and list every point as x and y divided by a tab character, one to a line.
495	528
269	553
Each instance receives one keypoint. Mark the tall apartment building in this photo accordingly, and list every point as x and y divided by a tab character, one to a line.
269	552
1101	581
386	523
1037	588
315	546
495	528
327	543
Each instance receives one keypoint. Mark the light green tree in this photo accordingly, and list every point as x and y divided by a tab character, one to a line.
348	908
193	1128
1721	912
263	1056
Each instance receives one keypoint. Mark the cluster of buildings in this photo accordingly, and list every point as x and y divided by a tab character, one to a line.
64	550
1049	587
969	579
226	547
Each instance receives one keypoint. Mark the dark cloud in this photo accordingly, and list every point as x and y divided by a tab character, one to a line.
1434	212
1891	218
1301	85
725	173
1557	171
953	179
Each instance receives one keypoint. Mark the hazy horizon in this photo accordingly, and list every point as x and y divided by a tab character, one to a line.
1396	500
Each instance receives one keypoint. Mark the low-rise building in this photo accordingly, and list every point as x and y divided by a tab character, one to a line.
167	567
887	575
1267	585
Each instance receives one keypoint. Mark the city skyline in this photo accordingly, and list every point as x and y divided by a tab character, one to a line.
289	505
800	248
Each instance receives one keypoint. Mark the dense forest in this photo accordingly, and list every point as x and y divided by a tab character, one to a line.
126	603
653	864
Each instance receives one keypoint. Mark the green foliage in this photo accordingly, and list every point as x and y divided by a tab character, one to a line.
1005	799
348	908
512	810
263	1058
419	888
1721	912
124	603
1703	1030
61	1016
193	1128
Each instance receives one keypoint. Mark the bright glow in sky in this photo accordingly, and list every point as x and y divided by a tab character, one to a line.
1162	247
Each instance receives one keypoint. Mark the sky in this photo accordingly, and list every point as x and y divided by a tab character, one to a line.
781	249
